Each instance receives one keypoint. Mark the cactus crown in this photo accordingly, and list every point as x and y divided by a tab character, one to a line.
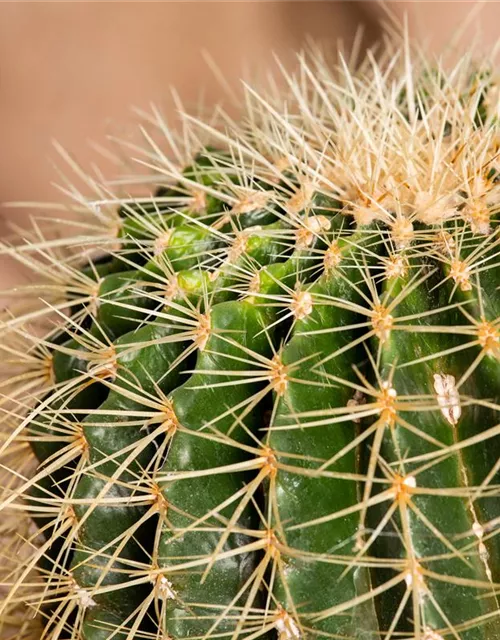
262	400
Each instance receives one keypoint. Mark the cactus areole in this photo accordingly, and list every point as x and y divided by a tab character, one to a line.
262	399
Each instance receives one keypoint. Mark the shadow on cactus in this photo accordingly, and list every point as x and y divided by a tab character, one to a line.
263	400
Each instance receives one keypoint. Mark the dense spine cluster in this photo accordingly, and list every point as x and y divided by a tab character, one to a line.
263	400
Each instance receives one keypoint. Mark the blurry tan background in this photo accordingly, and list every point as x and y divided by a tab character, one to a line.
68	70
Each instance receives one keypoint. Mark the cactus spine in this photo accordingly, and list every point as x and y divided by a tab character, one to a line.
263	401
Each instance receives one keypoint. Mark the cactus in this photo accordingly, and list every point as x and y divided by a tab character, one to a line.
262	399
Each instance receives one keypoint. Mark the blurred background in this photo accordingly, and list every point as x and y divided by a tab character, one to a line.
71	70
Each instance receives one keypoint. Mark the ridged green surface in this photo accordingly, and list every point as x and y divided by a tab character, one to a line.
279	403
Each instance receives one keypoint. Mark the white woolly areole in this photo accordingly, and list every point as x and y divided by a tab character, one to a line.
302	305
448	397
239	244
410	481
85	599
250	201
165	588
161	242
414	580
287	628
313	226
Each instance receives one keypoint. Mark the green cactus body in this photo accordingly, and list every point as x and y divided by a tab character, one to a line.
430	524
304	587
198	406
271	408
